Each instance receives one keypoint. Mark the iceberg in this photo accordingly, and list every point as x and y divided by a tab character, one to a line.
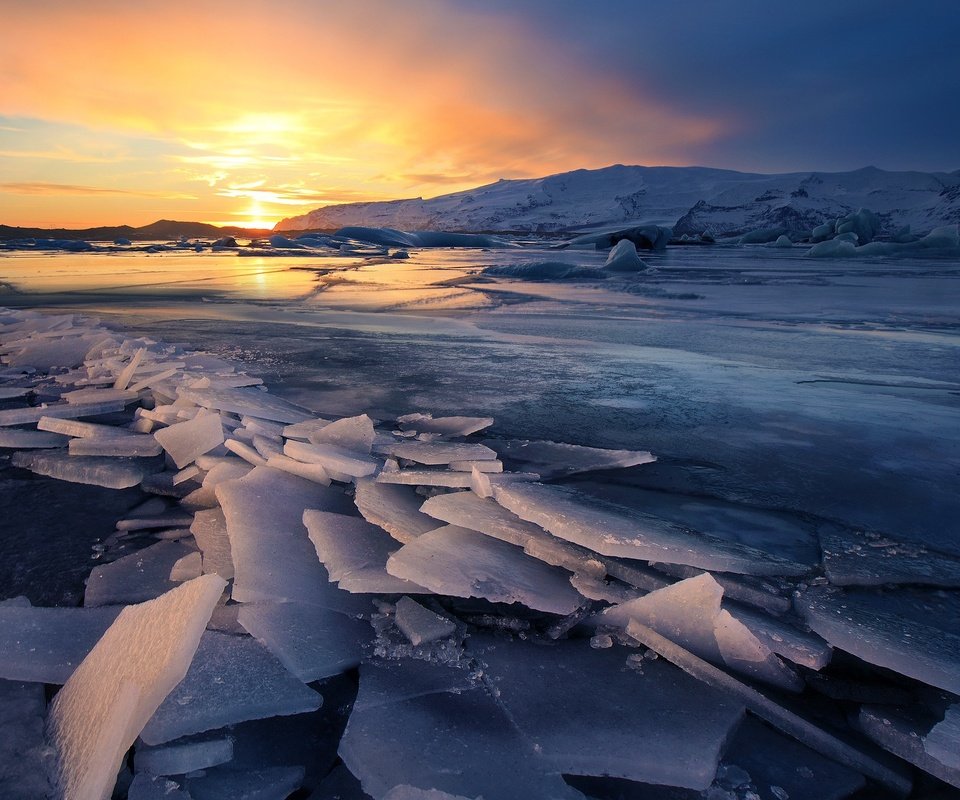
623	258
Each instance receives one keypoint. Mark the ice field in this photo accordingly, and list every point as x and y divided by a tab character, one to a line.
464	525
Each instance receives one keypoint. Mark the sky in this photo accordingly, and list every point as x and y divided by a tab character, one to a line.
245	111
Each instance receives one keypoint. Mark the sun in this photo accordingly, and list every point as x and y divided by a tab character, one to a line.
255	216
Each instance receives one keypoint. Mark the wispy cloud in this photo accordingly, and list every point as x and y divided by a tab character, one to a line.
71	189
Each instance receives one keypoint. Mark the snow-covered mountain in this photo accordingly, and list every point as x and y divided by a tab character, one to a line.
691	199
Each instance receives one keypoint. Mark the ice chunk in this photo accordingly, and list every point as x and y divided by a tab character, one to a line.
351	433
904	731
36	440
310	641
152	787
332	458
913	632
123	379
185	441
445	426
479	466
93	395
98	713
263	427
181	758
47	644
209	528
187	567
435	453
784	639
623	258
228	783
420	625
463	563
23	752
72	427
44	354
557	459
615	530
655	725
312	472
355	553
396	509
246	452
250	402
273	558
231	679
113	473
427	726
943	741
266	446
139	576
131	445
302	430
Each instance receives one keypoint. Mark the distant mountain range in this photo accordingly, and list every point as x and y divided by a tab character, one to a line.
692	200
161	230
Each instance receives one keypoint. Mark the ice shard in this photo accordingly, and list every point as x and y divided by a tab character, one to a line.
904	732
102	708
445	426
335	460
209	528
463	563
139	576
557	459
185	441
132	445
351	433
179	758
436	453
394	508
252	402
112	473
421	625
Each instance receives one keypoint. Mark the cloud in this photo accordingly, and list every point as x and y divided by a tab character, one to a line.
70	189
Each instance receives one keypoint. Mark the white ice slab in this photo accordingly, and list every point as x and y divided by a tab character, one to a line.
251	402
185	441
113	473
426	477
355	553
394	508
445	426
139	576
351	433
435	453
302	430
312	472
556	459
47	644
27	416
209	528
246	452
332	458
231	679
463	563
131	445
310	641
421	625
102	708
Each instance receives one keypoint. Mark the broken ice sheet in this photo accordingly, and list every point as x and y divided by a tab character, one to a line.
445	426
139	576
310	641
181	757
616	530
355	553
112	473
654	724
231	679
251	402
430	727
186	441
867	558
209	528
557	459
131	445
273	558
437	453
421	625
350	433
24	755
152	787
47	644
913	632
98	713
455	561
426	477
29	439
394	508
26	416
335	460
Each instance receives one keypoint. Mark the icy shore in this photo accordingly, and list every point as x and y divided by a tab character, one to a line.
486	610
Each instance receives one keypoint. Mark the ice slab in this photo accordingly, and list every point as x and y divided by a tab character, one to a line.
420	625
335	460
47	644
350	433
231	679
266	446
130	445
426	726
23	752
355	553
396	509
868	558
302	430
139	576
250	402
312	472
615	530
101	709
152	787
28	439
94	395
653	724
112	473
45	354
273	559
246	452
186	568
426	477
227	783
310	641
180	758
209	528
445	426
911	631
436	453
27	416
557	459
185	441
784	638
463	563
904	732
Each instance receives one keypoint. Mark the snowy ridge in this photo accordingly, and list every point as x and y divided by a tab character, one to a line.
691	199
290	548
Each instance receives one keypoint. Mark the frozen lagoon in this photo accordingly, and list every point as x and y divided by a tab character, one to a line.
822	392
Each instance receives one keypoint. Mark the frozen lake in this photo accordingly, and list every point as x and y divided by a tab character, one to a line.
827	389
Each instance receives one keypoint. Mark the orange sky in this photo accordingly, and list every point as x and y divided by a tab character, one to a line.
247	112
